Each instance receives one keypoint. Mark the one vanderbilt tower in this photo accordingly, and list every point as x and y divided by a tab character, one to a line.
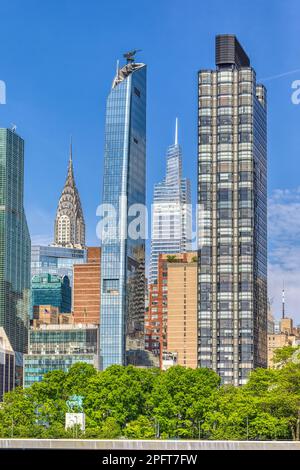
123	253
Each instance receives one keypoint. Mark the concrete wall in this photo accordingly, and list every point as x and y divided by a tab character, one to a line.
146	445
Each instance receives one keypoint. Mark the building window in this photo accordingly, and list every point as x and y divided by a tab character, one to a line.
111	286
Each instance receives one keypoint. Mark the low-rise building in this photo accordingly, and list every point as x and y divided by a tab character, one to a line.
285	335
56	343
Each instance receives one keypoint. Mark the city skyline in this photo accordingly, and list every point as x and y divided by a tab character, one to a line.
149	227
284	194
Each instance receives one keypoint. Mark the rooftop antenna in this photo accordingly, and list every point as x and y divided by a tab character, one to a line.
176	131
283	302
117	68
129	56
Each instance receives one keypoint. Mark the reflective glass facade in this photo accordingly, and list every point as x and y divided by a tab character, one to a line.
122	257
55	260
49	289
232	192
14	244
36	366
171	212
58	347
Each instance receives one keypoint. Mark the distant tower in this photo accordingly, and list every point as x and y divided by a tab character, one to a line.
171	212
69	228
283	302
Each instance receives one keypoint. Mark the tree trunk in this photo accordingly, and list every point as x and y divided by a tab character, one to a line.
298	427
293	432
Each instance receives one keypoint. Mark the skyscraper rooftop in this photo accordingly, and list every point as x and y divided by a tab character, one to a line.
69	223
230	52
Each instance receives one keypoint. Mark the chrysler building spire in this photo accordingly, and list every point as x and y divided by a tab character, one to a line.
69	223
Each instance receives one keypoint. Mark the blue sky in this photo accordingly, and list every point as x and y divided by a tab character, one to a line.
58	59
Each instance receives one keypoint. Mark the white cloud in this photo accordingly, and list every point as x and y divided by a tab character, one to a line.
284	250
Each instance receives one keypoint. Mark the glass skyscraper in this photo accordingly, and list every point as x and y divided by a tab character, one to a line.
49	289
171	211
232	192
123	258
14	244
56	260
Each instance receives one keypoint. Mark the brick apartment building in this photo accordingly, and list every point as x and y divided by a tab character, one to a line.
86	288
171	318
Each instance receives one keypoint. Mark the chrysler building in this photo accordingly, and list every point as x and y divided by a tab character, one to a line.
69	228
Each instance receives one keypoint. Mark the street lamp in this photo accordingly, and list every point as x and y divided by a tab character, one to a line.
156	428
199	427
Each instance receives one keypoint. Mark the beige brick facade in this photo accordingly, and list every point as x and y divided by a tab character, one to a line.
182	311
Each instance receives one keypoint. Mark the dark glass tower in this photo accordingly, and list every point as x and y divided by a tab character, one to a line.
123	258
14	244
232	192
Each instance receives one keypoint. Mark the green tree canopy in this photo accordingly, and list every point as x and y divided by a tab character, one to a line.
140	403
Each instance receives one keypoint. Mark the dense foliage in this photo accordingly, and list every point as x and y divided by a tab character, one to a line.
147	403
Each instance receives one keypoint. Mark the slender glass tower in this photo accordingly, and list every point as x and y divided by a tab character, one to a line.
14	244
171	210
123	257
232	192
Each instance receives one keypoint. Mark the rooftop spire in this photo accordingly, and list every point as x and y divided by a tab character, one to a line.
70	174
69	222
71	149
176	131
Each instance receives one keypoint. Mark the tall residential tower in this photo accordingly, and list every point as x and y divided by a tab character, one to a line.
14	244
171	211
232	192
122	256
